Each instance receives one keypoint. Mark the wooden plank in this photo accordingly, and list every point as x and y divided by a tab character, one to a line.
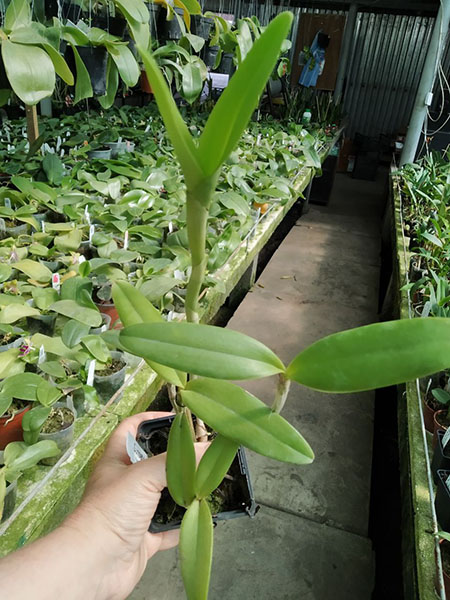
32	123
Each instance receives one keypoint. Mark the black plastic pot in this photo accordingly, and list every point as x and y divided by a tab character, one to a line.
170	30
442	500
155	16
96	60
113	25
441	457
201	26
227	65
44	324
209	56
244	501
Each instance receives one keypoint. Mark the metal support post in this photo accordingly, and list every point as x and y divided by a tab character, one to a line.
425	89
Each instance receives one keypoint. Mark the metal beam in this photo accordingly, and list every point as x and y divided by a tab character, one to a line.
345	51
425	88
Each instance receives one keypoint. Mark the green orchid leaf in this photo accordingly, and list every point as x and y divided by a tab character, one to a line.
34	270
73	332
83	85
97	347
22	386
138	17
69	308
14	312
214	465
239	99
59	64
32	423
193	7
132	306
9	365
26	457
202	349
125	62
196	546
18	14
5	403
30	71
53	168
68	242
44	297
47	394
312	157
242	418
53	368
192	82
5	272
181	463
177	130
374	356
112	85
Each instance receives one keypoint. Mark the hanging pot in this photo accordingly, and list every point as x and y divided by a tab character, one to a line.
209	56
10	501
155	15
227	65
152	436
102	154
113	25
11	428
145	83
107	385
170	30
64	437
95	59
201	26
109	309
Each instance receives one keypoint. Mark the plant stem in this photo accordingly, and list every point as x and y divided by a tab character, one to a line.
281	394
198	201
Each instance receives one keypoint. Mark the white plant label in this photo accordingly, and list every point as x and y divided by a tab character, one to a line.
8	202
91	373
81	259
43	226
170	226
126	240
446	438
42	355
135	452
87	216
91	232
56	282
258	139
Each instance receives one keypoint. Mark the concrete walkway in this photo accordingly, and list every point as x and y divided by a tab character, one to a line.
309	540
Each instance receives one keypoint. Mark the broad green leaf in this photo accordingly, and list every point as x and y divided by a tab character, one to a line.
441	395
137	16
132	306
9	363
30	71
312	157
44	297
5	403
214	465
193	7
234	201
239	416
47	394
156	287
97	347
112	84
53	368
74	36
192	82
196	546
32	423
73	332
69	308
34	270
5	272
59	64
22	386
52	345
181	464
374	356
53	168
239	99
177	130
202	349
17	15
83	85
14	312
29	456
68	242
125	63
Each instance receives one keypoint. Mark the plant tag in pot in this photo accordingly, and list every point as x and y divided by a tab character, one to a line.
43	226
91	373
8	202
56	282
87	216
126	240
446	438
42	355
2	225
91	232
135	452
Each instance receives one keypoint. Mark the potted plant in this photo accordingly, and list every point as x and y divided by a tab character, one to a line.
16	458
345	362
12	411
441	417
110	375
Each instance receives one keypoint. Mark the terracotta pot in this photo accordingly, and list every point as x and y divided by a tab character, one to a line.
11	429
111	311
145	83
437	425
428	416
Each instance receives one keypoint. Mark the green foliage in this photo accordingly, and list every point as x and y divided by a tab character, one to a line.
214	465
181	461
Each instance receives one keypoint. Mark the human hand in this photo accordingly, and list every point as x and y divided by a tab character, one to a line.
115	512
